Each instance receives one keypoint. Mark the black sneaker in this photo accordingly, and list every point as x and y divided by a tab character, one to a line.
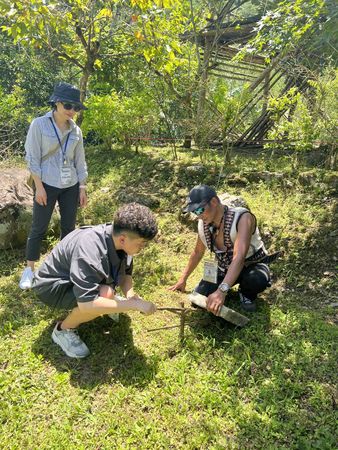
247	304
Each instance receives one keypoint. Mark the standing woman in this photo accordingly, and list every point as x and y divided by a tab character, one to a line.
56	160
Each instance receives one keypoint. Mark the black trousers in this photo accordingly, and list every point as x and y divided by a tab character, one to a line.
252	280
68	200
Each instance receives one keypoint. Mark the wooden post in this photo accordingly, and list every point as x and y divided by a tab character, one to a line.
182	322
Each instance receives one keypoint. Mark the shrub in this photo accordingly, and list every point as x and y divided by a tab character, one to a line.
315	118
125	120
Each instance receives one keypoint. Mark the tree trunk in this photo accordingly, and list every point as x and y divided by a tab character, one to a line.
83	91
187	141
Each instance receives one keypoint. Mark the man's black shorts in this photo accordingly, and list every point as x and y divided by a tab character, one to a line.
58	294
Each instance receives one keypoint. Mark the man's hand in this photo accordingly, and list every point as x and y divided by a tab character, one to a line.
83	198
146	308
134	296
179	286
215	301
41	196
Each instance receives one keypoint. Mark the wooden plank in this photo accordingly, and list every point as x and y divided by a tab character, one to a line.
228	77
226	313
238	66
243	75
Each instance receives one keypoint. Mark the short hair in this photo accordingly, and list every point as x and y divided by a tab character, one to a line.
137	219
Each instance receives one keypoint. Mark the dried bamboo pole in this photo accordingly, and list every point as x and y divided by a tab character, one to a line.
247	67
219	69
228	77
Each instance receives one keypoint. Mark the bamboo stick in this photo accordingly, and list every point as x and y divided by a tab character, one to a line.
244	75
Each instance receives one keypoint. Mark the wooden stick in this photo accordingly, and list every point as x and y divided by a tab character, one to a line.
163	328
163	308
182	323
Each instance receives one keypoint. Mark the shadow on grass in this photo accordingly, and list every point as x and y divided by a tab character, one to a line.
206	325
10	259
308	268
113	358
274	376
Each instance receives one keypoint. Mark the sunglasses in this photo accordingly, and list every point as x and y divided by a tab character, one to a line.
199	211
69	106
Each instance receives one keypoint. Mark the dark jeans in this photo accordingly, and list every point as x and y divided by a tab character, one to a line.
252	280
68	199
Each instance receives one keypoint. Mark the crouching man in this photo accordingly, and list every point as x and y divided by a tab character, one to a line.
84	269
238	255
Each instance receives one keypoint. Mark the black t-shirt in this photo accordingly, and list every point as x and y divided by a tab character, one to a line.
87	258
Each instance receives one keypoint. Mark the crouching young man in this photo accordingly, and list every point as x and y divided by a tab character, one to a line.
84	269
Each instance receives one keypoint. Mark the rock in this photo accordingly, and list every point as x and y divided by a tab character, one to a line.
287	183
196	168
163	162
237	180
232	200
16	200
307	178
331	179
127	196
263	176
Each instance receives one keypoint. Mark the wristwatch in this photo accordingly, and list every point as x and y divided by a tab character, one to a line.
224	287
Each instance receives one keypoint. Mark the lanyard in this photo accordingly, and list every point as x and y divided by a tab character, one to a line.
58	138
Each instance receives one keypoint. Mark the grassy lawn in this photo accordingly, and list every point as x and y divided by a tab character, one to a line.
270	385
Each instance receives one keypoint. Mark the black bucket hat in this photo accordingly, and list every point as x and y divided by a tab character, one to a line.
65	92
199	196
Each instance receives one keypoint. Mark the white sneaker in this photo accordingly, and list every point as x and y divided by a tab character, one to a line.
115	317
70	342
26	278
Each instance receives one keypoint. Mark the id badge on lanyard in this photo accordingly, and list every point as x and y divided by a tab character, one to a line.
65	171
210	271
66	175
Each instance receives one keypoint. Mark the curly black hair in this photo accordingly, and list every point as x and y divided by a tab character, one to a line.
137	219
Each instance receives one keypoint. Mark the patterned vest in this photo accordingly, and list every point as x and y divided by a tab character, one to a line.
224	258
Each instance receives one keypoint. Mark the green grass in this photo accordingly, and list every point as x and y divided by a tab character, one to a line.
270	385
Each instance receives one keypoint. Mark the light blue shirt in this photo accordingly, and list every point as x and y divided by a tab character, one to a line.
41	138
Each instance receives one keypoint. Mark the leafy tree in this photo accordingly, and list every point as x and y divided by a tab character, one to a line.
74	30
34	71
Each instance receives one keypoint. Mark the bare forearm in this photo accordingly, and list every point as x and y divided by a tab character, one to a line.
193	262
37	181
103	305
234	270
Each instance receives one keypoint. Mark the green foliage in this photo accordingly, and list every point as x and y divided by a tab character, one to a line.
115	118
229	100
101	116
12	106
15	118
283	28
74	31
315	118
156	34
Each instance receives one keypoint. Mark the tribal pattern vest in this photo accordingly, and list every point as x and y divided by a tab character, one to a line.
256	253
